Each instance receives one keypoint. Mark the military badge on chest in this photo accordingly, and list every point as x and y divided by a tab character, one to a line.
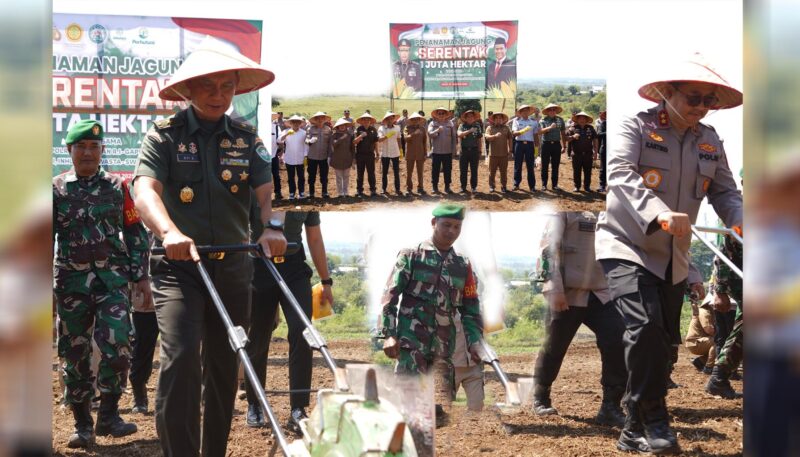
708	152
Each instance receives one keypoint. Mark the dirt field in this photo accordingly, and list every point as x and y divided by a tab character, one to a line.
706	426
483	200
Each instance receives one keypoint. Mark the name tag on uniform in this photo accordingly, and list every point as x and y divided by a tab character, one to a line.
188	158
234	162
586	226
656	146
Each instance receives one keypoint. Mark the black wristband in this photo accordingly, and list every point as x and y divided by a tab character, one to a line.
327	282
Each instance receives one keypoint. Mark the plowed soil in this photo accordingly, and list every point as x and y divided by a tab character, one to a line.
706	426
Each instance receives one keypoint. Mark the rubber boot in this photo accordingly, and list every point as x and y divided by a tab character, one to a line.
108	420
84	425
659	434
632	438
720	385
139	398
542	406
610	410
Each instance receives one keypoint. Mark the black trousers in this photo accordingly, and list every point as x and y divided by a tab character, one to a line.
582	165
195	352
266	298
395	164
551	157
651	311
276	176
441	163
607	325
468	162
313	165
296	172
723	326
143	346
603	169
523	153
365	164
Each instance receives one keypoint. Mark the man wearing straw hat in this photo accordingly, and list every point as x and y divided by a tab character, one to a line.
196	173
662	164
320	148
554	143
365	143
277	153
500	145
582	148
294	155
442	133
389	150
470	133
525	132
416	139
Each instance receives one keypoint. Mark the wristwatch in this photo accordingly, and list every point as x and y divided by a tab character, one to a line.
327	282
274	224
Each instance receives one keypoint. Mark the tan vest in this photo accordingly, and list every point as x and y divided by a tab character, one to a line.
579	269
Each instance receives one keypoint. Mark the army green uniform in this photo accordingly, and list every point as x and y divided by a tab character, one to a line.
92	269
728	282
433	286
207	171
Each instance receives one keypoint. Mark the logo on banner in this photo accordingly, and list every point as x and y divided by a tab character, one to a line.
74	32
56	34
144	33
98	33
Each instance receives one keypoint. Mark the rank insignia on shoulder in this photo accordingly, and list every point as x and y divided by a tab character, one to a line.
226	175
187	194
656	136
193	148
225	143
663	118
181	147
234	188
705	147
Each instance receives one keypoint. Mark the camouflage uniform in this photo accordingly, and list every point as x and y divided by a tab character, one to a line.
730	283
92	269
433	285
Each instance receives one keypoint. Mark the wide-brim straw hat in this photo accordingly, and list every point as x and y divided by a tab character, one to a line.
694	71
365	117
504	117
342	121
552	106
442	112
416	117
320	114
472	111
295	117
579	114
528	107
206	62
388	115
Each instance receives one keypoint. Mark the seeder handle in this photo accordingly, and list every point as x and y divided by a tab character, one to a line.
291	248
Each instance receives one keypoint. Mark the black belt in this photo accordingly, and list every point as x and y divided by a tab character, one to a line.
548	141
524	142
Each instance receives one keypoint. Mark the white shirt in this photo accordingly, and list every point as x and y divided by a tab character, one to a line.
389	148
296	147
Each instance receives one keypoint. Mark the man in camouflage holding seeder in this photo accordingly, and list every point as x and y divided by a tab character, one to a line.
93	267
434	281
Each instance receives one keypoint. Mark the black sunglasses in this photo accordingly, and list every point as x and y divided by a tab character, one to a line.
695	100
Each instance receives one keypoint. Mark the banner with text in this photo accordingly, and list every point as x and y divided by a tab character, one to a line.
111	68
454	60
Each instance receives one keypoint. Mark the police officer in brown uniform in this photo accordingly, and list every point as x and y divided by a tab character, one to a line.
194	179
577	293
582	147
661	165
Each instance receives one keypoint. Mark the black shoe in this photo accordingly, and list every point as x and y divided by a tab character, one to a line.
610	414
699	363
708	370
659	434
255	418
588	190
576	190
373	193
139	398
503	190
108	420
533	189
310	195
325	195
555	188
719	385
463	192
542	405
735	376
632	438
447	190
399	193
442	418
421	191
435	191
84	425
293	424
278	197
360	194
474	189
515	188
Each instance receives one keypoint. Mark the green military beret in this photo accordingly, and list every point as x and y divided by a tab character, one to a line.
451	210
86	129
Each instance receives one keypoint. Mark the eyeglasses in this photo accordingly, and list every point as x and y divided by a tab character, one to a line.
694	99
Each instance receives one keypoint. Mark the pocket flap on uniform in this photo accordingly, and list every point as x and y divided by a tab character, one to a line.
655	159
